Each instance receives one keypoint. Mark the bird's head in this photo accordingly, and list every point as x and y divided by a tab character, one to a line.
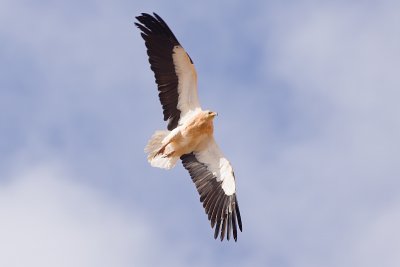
211	114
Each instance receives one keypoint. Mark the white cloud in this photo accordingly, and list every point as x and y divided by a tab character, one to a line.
50	219
47	220
379	240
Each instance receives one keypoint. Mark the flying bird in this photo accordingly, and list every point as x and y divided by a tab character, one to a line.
189	134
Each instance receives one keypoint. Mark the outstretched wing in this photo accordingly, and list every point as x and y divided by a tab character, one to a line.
215	181
173	69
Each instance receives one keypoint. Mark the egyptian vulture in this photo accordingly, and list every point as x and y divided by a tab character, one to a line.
190	128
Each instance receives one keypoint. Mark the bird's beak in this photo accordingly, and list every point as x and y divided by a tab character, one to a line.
214	114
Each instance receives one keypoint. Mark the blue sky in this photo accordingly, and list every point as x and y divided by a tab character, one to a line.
307	95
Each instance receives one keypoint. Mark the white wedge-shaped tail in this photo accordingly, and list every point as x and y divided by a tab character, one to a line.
154	152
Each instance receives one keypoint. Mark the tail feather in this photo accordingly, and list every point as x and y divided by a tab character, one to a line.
153	147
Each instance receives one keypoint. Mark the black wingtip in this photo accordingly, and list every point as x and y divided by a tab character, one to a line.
142	15
239	219
217	229
157	16
222	210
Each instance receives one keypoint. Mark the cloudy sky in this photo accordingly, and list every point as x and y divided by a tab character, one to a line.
307	94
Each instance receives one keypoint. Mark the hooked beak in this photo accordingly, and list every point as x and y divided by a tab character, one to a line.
214	114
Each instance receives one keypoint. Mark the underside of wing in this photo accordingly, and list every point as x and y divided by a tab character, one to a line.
173	69
215	182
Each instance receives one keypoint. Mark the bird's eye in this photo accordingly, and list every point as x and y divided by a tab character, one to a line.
210	112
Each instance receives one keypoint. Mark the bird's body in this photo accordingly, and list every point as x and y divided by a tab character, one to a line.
189	134
188	137
193	134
